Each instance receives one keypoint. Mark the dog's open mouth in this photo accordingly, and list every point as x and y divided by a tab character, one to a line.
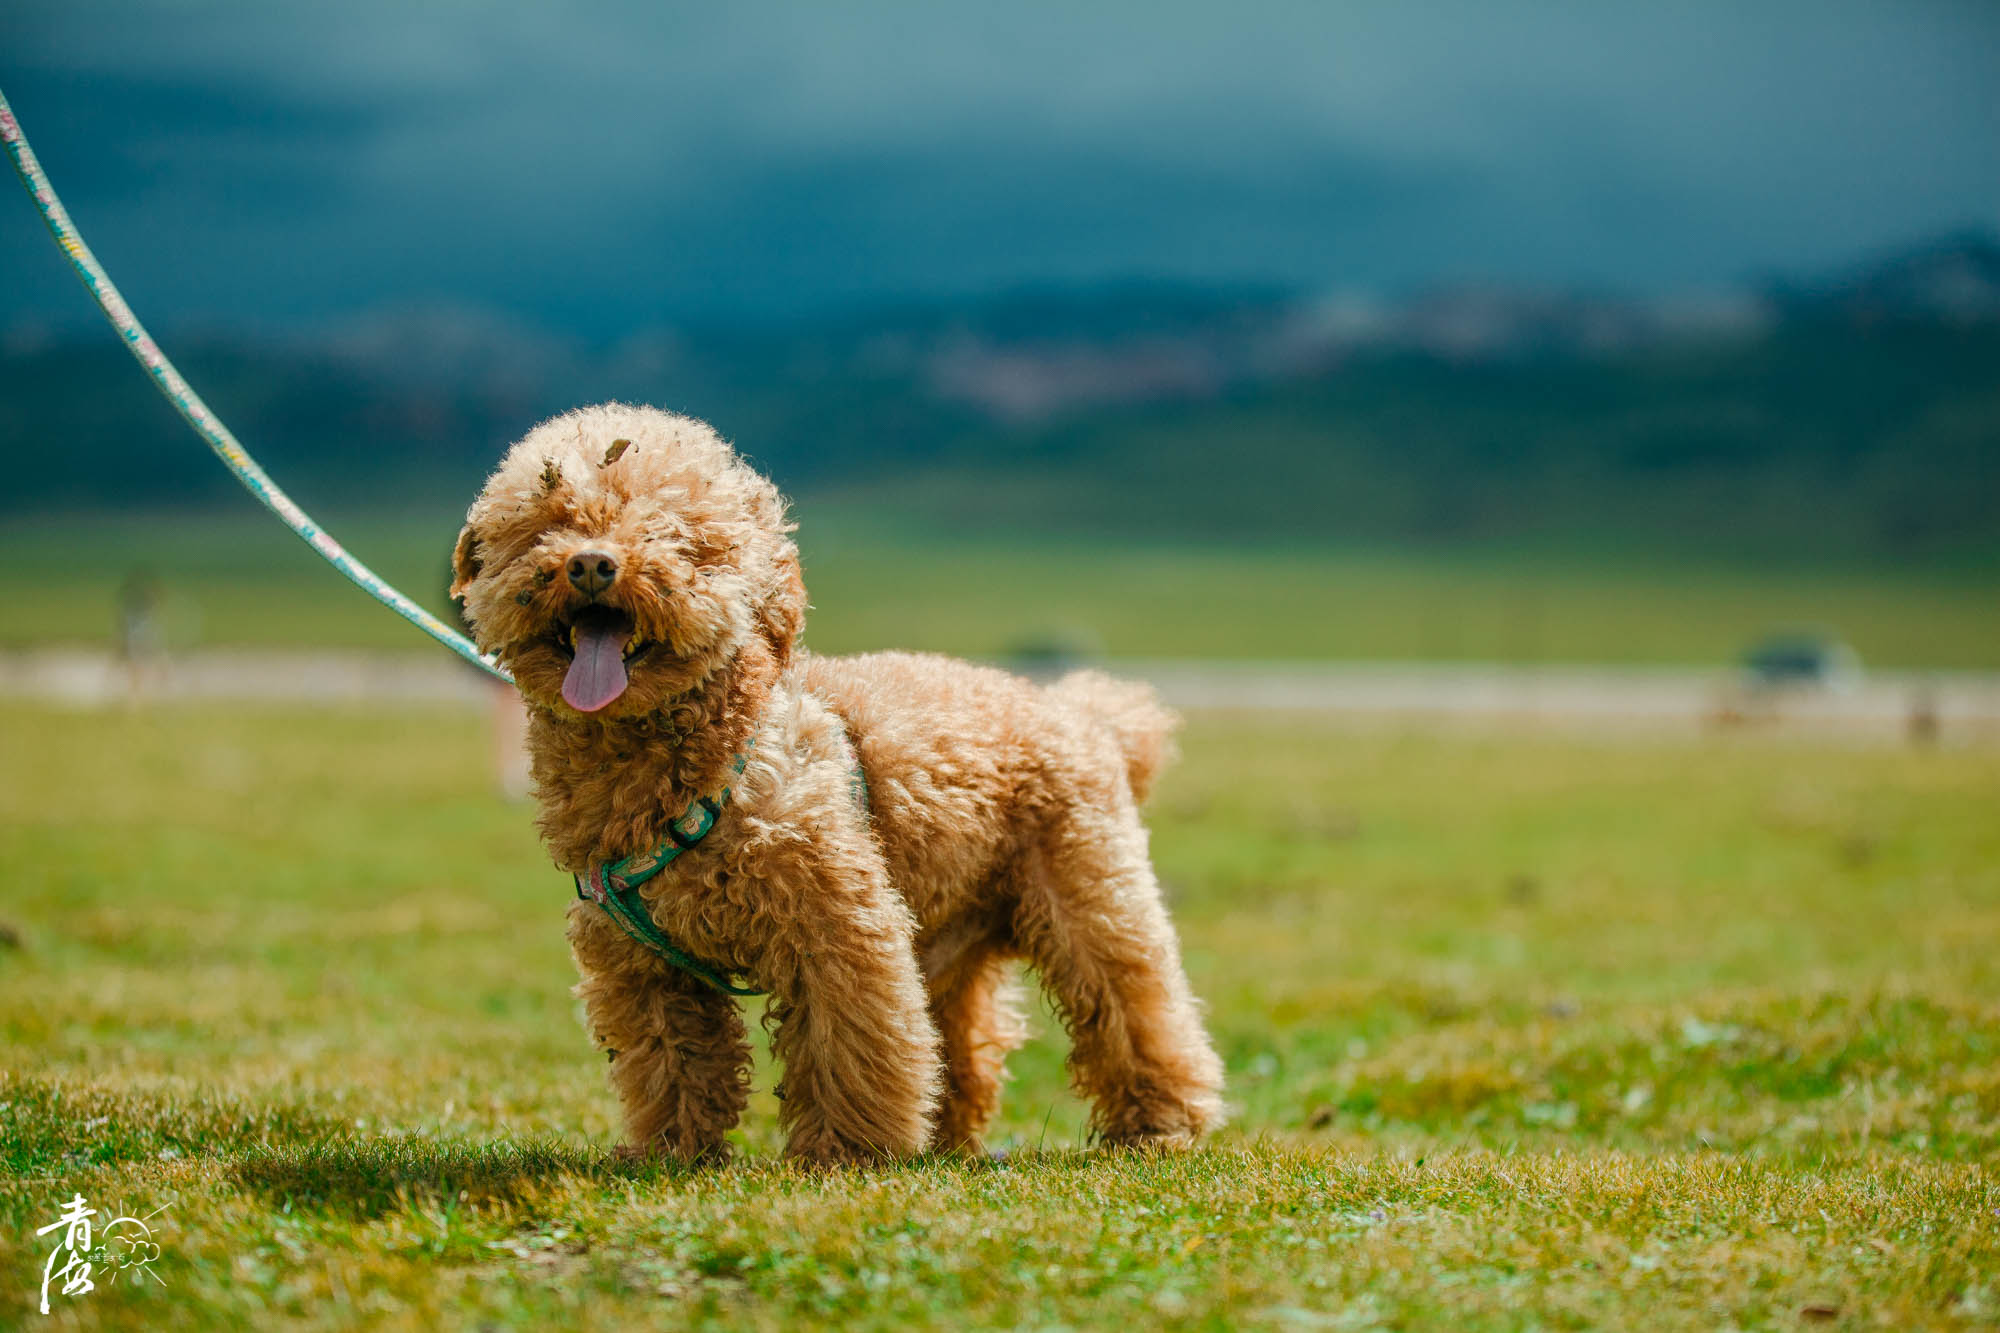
601	642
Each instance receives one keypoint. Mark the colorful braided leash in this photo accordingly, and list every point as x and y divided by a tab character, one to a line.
197	414
614	886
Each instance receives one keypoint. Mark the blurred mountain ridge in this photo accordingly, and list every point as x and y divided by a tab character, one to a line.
1858	406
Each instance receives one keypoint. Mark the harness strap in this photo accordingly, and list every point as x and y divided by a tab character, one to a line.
622	903
614	886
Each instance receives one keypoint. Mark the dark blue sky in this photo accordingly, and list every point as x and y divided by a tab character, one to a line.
605	165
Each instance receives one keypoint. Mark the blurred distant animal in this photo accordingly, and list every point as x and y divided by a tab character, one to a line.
141	645
870	839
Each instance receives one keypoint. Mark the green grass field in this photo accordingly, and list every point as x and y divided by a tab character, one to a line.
1522	1032
880	580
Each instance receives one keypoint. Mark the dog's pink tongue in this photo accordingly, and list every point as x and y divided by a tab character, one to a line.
597	676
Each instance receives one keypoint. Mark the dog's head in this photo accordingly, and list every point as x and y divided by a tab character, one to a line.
620	557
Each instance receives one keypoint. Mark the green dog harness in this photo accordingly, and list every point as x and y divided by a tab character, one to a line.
614	886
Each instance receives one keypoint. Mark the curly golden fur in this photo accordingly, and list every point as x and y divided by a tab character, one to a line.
1001	819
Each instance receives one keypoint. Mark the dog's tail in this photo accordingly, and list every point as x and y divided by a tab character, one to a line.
1144	725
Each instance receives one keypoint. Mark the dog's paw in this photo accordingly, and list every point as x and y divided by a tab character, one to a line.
1173	1141
1178	1137
660	1154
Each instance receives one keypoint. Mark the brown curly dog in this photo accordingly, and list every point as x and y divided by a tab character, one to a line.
639	581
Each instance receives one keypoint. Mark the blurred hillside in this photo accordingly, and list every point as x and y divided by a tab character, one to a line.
1850	414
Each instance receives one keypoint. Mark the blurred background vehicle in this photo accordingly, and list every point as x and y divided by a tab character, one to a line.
1802	660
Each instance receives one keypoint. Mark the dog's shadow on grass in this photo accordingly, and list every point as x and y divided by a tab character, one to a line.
362	1178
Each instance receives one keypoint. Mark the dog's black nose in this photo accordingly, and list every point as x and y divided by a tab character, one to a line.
591	572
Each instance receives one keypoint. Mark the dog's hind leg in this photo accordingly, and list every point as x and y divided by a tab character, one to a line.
976	1006
680	1057
1090	918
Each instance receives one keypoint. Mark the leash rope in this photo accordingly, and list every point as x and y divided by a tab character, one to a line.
613	887
197	414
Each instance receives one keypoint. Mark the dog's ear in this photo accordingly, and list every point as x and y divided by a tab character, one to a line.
464	561
783	615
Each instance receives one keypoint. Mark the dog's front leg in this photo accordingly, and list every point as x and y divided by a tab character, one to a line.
680	1058
854	1032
